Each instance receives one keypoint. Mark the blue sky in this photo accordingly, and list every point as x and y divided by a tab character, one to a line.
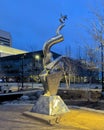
32	22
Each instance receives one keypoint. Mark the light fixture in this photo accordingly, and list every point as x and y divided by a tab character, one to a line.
37	57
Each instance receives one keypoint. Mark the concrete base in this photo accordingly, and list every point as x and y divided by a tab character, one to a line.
50	105
52	120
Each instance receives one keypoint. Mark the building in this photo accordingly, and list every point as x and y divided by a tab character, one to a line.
22	66
7	51
6	45
5	38
26	68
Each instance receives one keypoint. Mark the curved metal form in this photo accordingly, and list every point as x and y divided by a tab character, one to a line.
47	46
59	28
53	70
51	42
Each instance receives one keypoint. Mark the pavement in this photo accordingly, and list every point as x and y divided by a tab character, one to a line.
12	118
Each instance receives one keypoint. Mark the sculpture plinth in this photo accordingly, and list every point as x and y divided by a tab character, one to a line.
50	105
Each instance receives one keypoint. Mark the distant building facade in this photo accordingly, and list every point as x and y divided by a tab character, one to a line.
23	66
6	45
5	38
26	67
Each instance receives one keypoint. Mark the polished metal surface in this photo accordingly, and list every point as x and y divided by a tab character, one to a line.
48	44
50	105
53	70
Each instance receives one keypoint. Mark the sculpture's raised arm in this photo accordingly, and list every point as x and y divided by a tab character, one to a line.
54	40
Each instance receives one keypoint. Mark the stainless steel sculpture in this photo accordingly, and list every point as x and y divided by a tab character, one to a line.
53	70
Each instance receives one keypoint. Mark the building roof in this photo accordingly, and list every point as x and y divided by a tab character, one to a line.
5	51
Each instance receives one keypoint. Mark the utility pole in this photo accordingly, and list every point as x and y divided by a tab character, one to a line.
22	76
102	67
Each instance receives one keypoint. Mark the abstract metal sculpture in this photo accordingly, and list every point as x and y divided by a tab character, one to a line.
53	70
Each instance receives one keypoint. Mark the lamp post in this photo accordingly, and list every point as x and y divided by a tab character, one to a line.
37	57
22	74
102	67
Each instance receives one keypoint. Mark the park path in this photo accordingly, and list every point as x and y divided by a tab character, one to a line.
12	118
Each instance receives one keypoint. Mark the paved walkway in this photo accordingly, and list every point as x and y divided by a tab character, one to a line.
12	118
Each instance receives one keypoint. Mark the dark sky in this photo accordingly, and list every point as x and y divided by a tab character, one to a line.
32	22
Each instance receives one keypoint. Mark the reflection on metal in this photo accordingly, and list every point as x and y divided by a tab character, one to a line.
50	105
53	70
46	49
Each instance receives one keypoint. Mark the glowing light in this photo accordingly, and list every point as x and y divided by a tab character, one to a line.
37	57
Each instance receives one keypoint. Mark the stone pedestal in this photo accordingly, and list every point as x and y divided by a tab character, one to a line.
50	105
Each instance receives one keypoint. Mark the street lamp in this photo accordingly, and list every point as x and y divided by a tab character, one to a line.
22	64
37	57
102	67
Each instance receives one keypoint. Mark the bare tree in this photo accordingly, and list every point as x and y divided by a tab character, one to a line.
91	56
68	51
92	62
97	32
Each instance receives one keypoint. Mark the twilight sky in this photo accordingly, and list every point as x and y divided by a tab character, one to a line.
32	22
